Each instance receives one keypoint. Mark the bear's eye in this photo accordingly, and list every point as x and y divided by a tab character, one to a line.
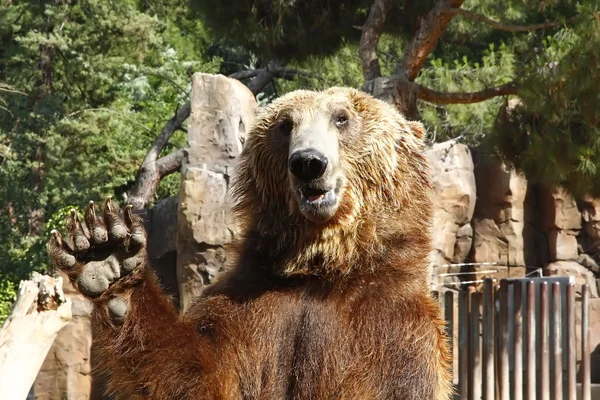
341	120
285	127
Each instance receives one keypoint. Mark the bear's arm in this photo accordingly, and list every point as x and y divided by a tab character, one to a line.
143	345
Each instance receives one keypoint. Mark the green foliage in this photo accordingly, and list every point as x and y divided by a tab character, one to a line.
297	30
553	134
8	295
96	82
471	122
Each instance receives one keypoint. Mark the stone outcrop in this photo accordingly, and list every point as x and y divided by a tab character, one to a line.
161	223
222	111
561	220
501	215
454	184
582	275
66	371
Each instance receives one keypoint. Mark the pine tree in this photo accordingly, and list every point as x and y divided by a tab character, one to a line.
454	64
87	87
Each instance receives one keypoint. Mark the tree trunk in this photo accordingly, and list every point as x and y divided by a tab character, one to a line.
396	90
40	312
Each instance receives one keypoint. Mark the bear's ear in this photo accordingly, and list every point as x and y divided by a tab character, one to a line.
417	129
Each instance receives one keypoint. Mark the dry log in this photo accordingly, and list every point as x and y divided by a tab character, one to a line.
40	312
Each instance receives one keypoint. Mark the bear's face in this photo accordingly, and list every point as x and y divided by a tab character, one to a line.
329	158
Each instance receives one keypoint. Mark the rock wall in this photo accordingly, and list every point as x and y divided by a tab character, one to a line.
66	371
222	110
454	182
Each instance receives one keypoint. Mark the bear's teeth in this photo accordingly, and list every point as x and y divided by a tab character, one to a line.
315	198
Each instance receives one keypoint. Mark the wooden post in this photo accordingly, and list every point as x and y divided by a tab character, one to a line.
518	341
585	343
40	312
558	365
488	339
449	317
530	343
475	357
571	347
463	344
504	359
544	339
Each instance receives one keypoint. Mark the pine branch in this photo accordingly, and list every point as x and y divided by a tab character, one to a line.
369	38
426	38
442	98
501	25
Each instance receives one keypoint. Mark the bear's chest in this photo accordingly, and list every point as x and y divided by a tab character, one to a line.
317	350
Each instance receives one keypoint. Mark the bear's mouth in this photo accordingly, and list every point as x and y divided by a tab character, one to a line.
313	195
318	204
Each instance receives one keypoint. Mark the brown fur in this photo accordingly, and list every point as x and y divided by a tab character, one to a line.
340	310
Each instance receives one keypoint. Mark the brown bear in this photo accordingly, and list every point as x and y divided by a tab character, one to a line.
328	297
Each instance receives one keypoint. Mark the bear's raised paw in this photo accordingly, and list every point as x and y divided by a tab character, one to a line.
100	250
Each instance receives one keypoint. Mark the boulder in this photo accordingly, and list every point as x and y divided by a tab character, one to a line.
561	220
500	215
161	222
222	111
455	195
66	372
582	275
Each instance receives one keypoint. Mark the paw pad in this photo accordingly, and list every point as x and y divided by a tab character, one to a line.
101	250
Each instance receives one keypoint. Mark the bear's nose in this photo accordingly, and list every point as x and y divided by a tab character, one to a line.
307	164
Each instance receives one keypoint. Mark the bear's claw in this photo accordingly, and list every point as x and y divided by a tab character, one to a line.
99	251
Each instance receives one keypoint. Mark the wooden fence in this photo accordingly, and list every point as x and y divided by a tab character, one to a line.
517	340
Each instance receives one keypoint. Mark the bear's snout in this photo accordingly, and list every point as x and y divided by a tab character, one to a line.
308	164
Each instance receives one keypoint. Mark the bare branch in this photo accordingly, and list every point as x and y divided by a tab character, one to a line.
263	76
369	38
426	38
152	170
165	134
9	89
503	26
274	70
170	163
249	73
432	96
261	81
290	73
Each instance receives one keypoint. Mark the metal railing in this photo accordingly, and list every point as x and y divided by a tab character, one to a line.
517	340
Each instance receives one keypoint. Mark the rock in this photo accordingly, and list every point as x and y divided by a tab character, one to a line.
66	371
582	275
590	230
161	222
464	240
560	210
562	245
454	182
222	111
589	263
561	220
499	219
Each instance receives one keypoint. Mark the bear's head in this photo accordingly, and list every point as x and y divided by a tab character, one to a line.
328	178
